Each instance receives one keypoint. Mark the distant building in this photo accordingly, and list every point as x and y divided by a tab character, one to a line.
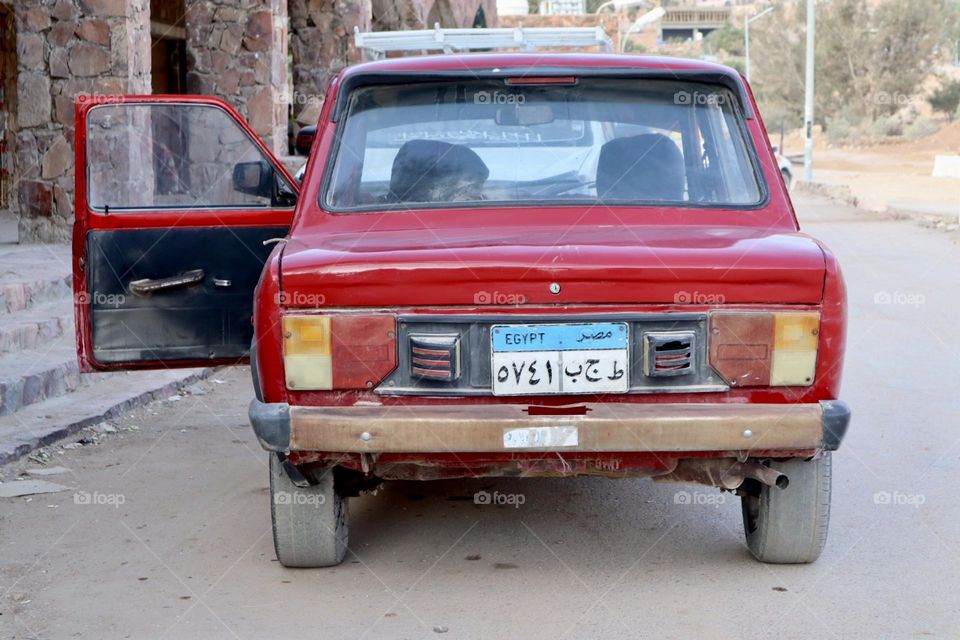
563	7
691	21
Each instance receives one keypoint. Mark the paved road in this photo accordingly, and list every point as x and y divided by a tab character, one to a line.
188	553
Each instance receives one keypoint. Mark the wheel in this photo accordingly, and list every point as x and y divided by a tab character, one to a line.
309	524
789	526
787	177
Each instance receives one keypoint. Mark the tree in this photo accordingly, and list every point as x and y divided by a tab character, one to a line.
871	57
728	39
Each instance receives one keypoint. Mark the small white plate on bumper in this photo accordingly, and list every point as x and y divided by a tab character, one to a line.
541	437
543	359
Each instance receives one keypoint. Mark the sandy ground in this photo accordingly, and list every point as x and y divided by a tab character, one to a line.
889	176
175	542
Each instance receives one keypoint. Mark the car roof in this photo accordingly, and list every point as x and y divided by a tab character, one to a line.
477	61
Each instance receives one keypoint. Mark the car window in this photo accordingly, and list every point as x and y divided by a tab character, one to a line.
176	156
606	141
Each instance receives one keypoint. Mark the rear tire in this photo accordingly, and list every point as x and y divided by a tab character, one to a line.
309	523
789	526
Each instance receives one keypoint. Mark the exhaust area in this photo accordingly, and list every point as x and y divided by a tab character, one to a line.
725	473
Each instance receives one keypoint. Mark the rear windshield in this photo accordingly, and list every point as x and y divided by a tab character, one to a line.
593	141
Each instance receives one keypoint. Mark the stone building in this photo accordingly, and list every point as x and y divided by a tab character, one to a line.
268	58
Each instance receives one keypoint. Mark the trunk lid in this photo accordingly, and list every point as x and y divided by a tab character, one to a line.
610	264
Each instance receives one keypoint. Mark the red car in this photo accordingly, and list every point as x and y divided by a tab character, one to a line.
496	265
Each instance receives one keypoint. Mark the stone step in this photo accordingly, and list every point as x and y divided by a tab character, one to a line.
35	327
33	274
43	423
34	375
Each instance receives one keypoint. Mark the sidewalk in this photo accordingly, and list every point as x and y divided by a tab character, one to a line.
43	395
914	196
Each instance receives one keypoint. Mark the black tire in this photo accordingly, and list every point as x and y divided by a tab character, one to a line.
787	177
310	526
789	526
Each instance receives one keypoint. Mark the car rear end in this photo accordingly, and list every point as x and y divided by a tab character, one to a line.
509	274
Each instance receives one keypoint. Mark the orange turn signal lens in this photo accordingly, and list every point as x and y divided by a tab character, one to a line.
307	352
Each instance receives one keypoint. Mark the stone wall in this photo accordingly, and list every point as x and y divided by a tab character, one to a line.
67	48
321	37
396	15
237	50
321	42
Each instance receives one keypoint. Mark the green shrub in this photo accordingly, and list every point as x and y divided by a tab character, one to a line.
885	126
946	99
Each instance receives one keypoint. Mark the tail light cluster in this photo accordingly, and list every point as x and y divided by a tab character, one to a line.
765	349
746	348
321	353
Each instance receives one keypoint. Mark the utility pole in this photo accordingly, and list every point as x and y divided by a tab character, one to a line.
808	95
746	46
746	39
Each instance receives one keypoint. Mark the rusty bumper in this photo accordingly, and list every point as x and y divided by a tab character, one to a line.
509	428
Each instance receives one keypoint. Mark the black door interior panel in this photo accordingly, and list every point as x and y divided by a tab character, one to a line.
208	319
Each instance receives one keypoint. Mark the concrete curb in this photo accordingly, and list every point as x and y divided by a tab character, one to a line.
835	192
23	442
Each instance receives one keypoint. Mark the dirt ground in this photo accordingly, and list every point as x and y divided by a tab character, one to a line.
894	175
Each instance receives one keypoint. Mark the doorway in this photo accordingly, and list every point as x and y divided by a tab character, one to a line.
168	35
8	112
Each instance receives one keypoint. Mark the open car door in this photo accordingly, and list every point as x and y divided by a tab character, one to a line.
176	202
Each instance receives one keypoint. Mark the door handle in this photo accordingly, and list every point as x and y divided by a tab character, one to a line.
146	286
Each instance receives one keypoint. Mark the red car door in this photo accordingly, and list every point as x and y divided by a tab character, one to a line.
177	202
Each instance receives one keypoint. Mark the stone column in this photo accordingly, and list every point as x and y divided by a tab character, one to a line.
321	41
237	50
67	48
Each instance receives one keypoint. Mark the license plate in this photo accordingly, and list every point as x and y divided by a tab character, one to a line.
539	359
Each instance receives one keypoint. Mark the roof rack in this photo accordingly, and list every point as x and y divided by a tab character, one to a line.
376	44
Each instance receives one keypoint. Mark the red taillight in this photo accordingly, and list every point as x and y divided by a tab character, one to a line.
364	350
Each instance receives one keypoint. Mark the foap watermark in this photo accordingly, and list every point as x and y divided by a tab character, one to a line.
301	99
499	499
900	298
698	98
99	499
300	299
99	98
286	497
96	298
498	97
700	498
897	98
698	297
898	499
497	297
